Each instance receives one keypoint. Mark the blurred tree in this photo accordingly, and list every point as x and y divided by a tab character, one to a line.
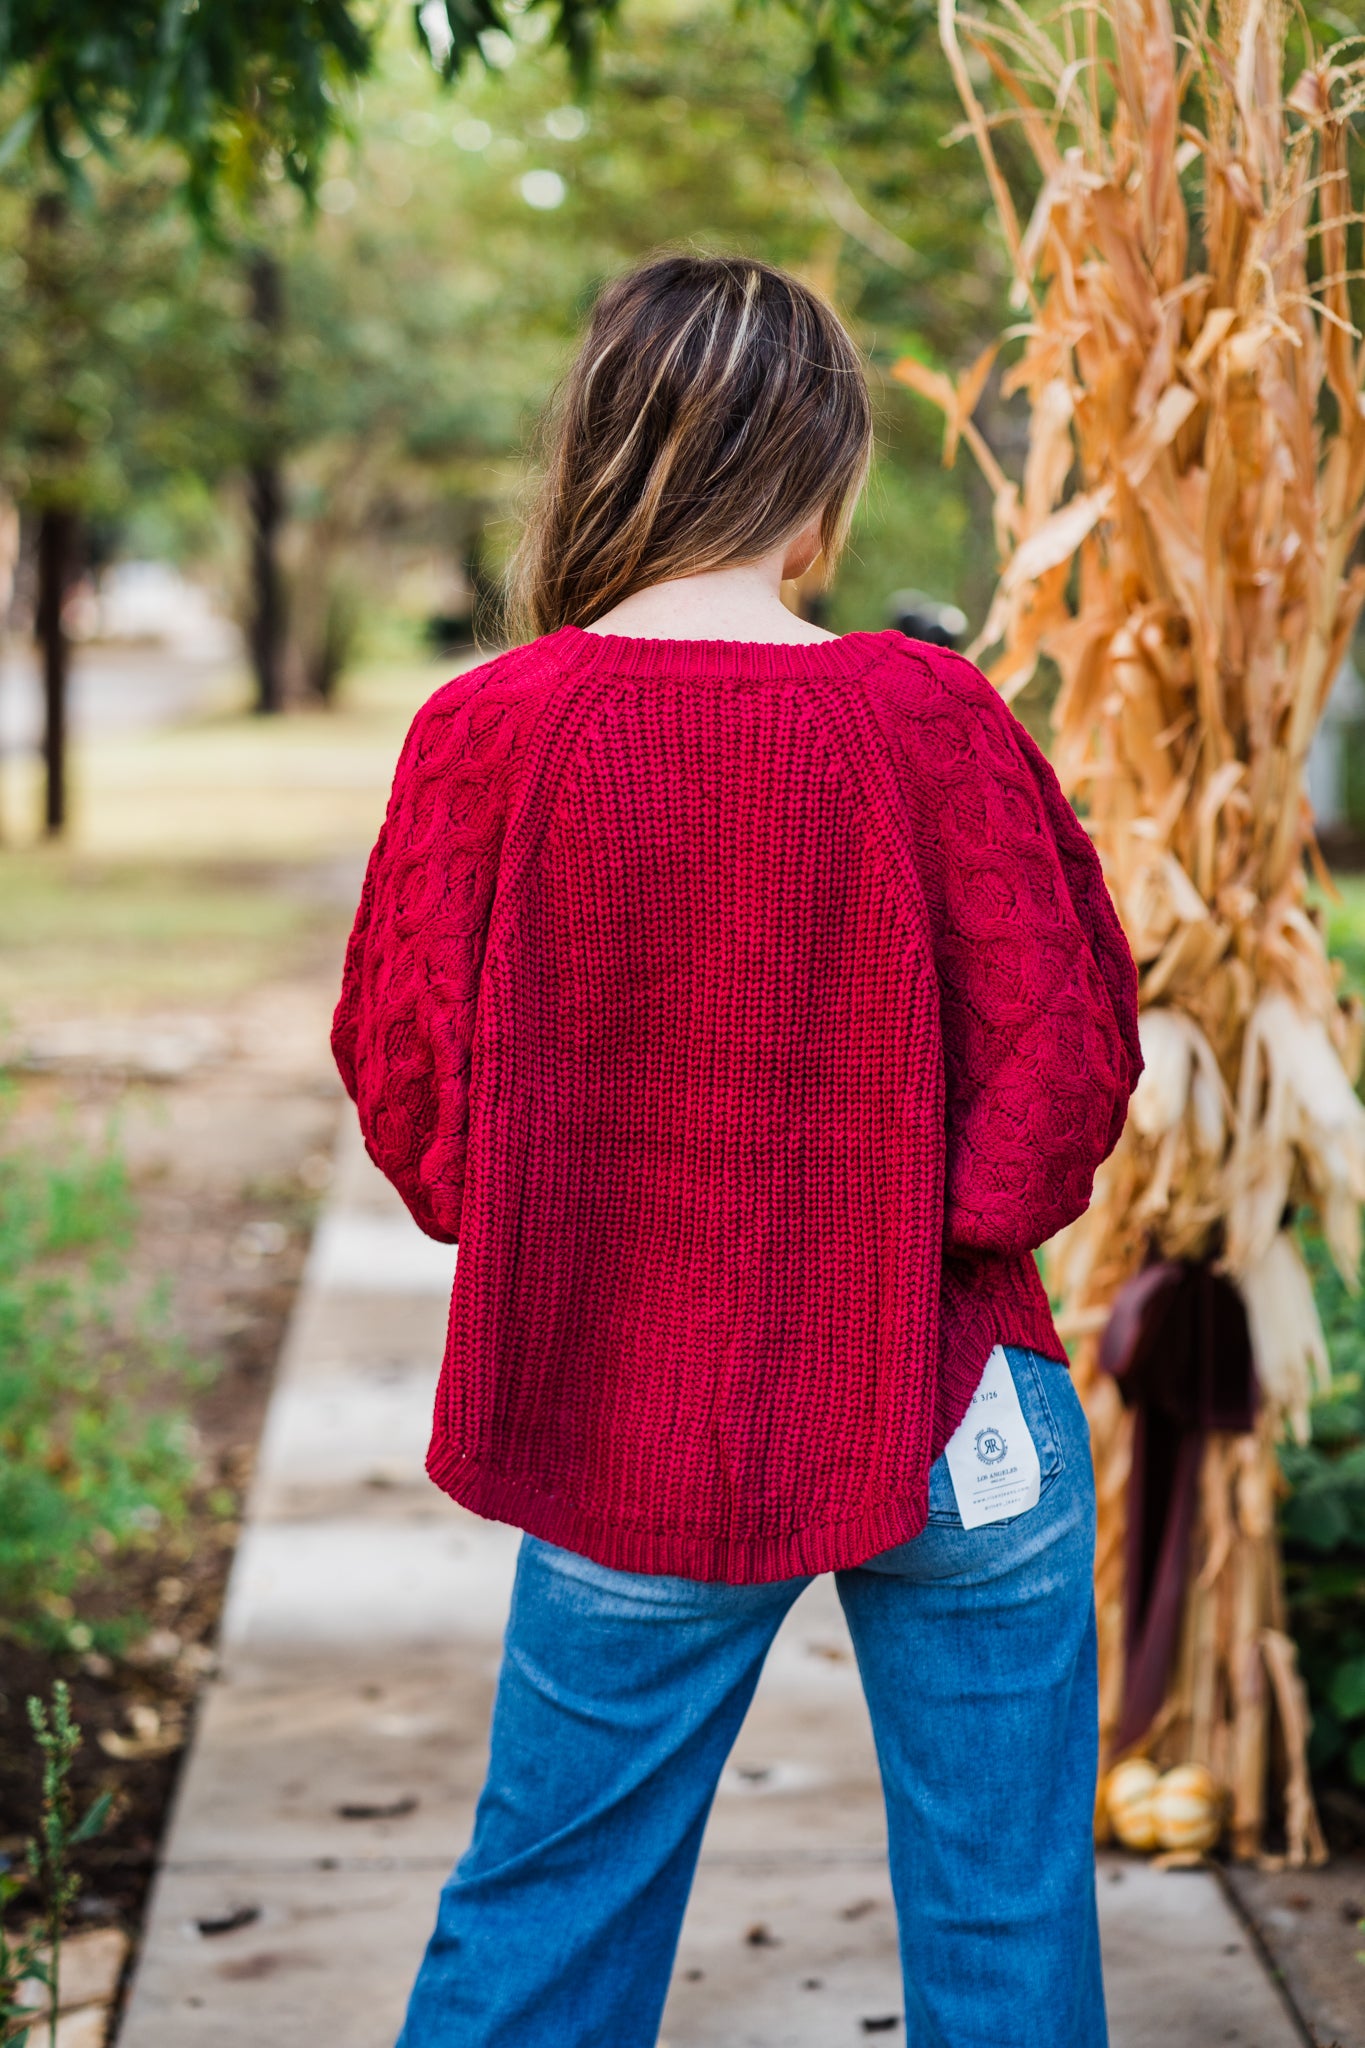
868	92
117	366
240	89
436	302
458	240
243	90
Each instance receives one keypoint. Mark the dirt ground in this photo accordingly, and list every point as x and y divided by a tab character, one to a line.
227	1161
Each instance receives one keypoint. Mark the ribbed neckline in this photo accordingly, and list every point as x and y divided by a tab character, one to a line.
632	655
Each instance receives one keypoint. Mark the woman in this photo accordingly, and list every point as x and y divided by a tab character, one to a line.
747	1003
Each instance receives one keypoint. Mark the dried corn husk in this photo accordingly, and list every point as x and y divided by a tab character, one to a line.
1287	1343
1179	546
1297	1111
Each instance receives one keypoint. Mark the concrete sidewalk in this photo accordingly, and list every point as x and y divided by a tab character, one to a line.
339	1753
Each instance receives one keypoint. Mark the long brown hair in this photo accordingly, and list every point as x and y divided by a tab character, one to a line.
715	407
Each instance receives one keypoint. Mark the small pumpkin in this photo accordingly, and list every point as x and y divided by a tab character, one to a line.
1128	1793
1187	1808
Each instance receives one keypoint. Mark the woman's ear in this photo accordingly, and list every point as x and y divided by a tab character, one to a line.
802	550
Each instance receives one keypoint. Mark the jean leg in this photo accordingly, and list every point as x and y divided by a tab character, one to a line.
977	1654
619	1698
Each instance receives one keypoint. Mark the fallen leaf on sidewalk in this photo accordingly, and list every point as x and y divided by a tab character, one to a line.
229	1922
393	1810
760	1935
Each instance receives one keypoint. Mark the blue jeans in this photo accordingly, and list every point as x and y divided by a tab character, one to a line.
618	1701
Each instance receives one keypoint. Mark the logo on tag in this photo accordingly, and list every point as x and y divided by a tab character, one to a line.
992	1458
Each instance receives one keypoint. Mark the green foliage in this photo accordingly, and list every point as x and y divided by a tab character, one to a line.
123	344
453	32
1323	1529
242	89
236	86
89	1468
21	1962
432	305
834	37
1344	924
431	301
35	1956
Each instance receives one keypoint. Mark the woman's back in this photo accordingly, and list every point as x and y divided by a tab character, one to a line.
748	1004
747	1012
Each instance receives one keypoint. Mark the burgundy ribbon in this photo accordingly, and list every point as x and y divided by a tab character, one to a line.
1178	1344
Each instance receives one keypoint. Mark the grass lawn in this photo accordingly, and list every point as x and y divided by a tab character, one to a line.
201	860
235	786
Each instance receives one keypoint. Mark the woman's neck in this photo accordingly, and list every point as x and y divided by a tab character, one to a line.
740	603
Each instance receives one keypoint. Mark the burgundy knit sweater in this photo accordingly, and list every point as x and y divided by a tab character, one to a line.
747	1014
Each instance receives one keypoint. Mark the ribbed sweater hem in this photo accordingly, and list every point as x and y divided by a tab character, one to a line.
1017	1314
737	1560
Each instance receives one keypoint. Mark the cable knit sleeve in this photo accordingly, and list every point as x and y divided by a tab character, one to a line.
1094	910
403	1032
1038	988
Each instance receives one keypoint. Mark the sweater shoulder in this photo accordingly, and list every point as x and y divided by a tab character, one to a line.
921	690
949	730
468	736
506	690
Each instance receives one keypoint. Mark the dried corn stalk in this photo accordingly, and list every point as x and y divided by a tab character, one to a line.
1181	546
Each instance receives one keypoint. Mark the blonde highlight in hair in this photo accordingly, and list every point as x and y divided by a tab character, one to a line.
716	406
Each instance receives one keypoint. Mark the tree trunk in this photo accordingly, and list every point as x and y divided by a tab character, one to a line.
265	500
9	563
57	532
265	489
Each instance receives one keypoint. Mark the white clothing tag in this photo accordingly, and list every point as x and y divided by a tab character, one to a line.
992	1459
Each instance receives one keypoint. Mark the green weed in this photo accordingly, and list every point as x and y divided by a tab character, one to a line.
1323	1528
36	1955
92	1461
